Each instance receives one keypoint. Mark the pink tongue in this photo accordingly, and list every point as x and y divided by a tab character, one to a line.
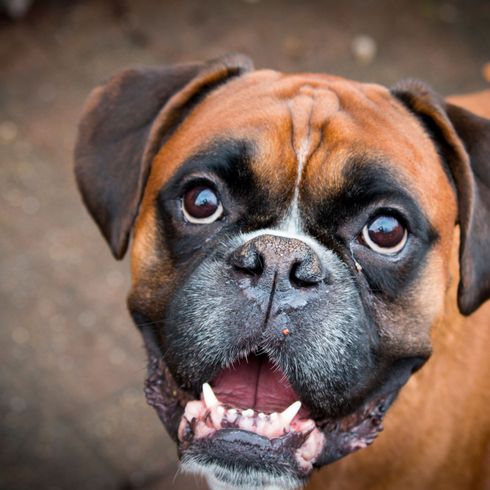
254	384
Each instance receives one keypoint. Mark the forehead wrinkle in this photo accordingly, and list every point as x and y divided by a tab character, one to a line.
310	110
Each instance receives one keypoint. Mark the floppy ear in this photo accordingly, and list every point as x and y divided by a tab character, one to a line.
124	123
463	141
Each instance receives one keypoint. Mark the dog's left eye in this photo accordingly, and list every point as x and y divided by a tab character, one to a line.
385	235
201	205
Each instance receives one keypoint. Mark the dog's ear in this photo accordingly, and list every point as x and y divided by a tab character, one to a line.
124	123
463	140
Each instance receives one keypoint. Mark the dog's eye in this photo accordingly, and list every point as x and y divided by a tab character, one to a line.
385	235
201	205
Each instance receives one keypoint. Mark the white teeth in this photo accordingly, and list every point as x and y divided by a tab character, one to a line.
231	415
288	415
246	423
248	413
209	397
261	424
217	414
274	416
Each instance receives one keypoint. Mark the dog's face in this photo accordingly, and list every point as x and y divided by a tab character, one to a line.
291	244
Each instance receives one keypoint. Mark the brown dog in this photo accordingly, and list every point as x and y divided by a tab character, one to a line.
302	244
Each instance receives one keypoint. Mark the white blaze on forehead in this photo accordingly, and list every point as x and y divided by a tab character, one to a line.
309	112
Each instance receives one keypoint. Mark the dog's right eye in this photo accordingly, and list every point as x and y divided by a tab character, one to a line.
385	235
201	205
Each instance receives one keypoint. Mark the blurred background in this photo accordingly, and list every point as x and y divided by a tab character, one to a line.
72	410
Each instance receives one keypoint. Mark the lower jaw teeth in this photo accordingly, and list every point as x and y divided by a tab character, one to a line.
272	425
204	421
216	415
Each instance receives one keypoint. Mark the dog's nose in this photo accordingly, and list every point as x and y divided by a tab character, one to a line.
291	259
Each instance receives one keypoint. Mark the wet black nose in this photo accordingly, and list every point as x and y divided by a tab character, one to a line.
292	260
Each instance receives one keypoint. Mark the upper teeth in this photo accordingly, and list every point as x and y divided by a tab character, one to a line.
209	396
288	415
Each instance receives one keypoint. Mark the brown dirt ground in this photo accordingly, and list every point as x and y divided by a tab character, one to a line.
72	413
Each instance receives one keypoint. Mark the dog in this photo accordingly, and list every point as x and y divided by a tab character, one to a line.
306	250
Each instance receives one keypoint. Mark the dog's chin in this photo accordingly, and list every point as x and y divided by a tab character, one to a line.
250	430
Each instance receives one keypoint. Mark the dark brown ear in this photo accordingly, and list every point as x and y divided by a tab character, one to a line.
124	123
463	140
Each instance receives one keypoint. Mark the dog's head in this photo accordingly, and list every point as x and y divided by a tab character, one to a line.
291	242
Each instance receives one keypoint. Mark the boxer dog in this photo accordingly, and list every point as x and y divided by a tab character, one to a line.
301	245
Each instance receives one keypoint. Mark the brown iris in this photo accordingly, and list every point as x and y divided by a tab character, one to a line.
385	234
201	204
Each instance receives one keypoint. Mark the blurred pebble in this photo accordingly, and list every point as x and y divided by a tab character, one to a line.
16	9
364	48
8	131
20	335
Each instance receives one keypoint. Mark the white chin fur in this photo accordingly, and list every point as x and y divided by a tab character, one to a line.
219	478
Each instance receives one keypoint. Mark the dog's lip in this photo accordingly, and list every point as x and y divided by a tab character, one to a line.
337	437
243	431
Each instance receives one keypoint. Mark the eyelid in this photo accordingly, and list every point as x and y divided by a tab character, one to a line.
390	211
198	180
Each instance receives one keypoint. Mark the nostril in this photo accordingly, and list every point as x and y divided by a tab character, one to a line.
305	274
248	262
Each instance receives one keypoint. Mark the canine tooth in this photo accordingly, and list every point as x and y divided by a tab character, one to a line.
248	413
220	409
274	416
288	415
209	396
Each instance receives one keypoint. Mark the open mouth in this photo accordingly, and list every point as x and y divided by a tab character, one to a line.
253	408
249	419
